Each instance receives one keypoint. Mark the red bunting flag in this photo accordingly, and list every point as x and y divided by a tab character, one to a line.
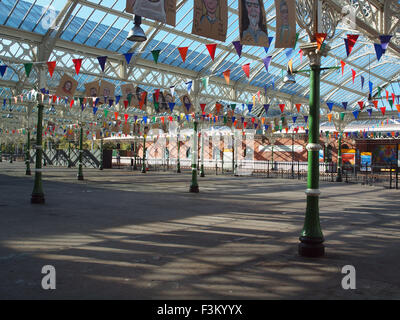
383	109
329	115
54	99
227	75
298	106
353	74
375	102
282	107
211	49
218	107
157	94
246	69
202	106
116	115
320	38
351	41
301	55
183	51
398	107
51	65
387	95
361	104
343	64
126	102
71	103
126	117
78	64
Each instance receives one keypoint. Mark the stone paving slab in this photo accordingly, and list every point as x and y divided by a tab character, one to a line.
126	235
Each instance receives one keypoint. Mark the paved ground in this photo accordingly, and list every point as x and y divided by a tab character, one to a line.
125	235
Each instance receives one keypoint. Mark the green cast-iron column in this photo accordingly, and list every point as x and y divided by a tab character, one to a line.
194	187
202	173
178	164
144	154
339	153
27	154
37	193
233	152
69	154
80	172
311	237
135	153
101	154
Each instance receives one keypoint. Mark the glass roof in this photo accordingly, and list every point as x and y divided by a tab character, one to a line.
104	25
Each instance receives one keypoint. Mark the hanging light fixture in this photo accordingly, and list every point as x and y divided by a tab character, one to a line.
137	34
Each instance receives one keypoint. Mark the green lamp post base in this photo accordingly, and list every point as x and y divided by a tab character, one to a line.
80	177
339	176
202	174
37	198
194	189
311	247
178	170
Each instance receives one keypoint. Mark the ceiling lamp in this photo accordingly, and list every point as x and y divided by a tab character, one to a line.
137	34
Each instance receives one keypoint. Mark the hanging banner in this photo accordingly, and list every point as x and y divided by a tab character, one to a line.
67	87
92	89
252	23
285	23
107	89
126	90
210	19
366	160
168	98
187	106
159	10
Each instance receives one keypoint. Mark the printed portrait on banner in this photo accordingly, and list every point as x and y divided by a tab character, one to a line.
159	10
187	106
107	89
92	89
67	87
285	23
168	98
127	89
252	23
210	19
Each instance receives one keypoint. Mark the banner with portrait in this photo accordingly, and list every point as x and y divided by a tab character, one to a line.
187	106
107	89
252	23
285	23
67	87
210	19
92	89
159	10
127	89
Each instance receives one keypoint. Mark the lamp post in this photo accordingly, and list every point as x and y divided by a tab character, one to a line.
202	173
80	171
27	154
69	153
178	164
194	187
135	154
144	154
339	153
101	154
292	155
37	193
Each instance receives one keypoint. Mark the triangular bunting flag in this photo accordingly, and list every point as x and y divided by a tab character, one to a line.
361	104
51	65
102	62
266	107
227	74
362	82
355	114
378	51
156	54
343	64
78	64
250	107
385	39
282	107
28	68
345	105
330	105
246	69
202	106
183	52
171	105
383	109
353	74
238	47
267	62
329	115
320	38
298	106
211	50
128	57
